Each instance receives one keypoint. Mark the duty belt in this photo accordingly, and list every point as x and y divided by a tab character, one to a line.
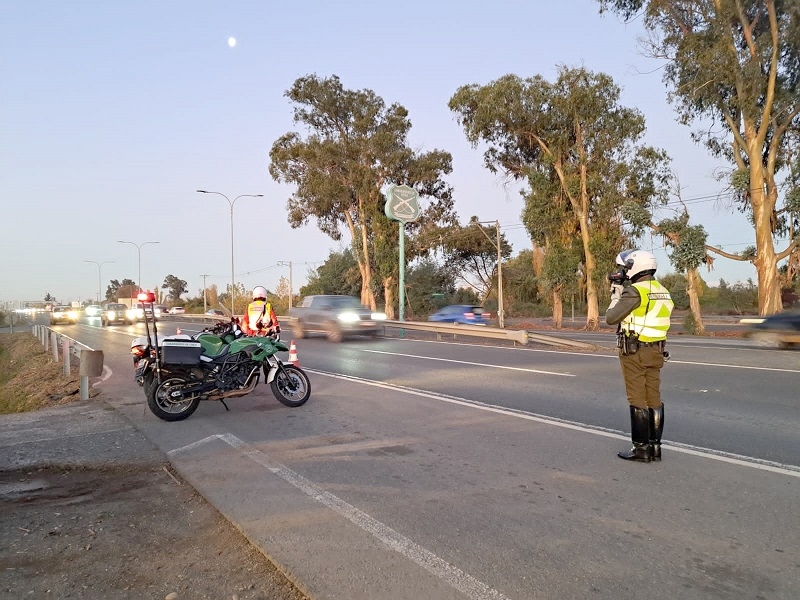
658	343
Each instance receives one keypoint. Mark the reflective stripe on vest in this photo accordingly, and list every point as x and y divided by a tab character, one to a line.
650	320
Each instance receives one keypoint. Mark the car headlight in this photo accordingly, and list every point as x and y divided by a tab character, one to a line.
378	316
72	315
348	317
111	314
131	314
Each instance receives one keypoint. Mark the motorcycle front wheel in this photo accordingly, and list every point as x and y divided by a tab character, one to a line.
163	402
291	386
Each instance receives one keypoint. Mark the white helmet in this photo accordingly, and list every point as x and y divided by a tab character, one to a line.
259	292
637	262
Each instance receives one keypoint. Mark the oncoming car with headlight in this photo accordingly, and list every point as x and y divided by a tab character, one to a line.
113	313
64	314
336	316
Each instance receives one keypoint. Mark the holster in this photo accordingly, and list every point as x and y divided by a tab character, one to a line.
628	344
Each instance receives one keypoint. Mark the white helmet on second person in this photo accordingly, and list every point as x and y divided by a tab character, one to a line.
637	263
259	293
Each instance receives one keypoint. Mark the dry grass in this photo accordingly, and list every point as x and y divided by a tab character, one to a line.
29	379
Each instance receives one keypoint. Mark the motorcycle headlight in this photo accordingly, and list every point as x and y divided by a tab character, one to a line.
348	317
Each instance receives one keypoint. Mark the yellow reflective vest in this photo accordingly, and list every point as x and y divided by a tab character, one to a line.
650	320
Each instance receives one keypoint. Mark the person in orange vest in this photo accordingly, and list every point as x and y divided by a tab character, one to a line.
260	319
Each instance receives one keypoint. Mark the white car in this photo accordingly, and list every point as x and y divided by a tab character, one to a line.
177	310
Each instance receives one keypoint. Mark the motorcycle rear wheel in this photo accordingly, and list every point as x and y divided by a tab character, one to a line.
163	407
291	386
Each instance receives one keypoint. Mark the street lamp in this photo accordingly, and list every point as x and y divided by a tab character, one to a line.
232	202
99	278
139	251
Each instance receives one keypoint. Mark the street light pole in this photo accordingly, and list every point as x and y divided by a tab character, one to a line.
231	203
139	251
99	277
205	303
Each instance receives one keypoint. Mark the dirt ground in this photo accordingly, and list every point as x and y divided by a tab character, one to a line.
131	531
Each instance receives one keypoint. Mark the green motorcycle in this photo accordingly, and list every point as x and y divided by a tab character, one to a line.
219	363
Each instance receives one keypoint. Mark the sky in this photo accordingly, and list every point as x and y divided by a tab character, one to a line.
115	113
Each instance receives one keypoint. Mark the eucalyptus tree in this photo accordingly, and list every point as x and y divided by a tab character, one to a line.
355	147
175	287
575	129
737	64
471	252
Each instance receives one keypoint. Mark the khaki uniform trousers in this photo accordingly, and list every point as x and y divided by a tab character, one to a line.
642	374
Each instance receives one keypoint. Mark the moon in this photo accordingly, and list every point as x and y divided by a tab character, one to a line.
231	41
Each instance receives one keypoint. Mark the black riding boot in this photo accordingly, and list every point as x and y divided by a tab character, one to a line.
656	428
640	436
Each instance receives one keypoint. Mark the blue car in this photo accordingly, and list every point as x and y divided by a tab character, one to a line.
461	313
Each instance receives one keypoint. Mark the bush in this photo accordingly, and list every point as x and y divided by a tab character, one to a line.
690	324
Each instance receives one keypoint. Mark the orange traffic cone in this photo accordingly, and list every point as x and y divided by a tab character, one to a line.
293	355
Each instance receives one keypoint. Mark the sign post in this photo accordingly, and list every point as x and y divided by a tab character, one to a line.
402	205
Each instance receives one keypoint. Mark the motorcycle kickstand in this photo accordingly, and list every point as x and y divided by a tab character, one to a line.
223	404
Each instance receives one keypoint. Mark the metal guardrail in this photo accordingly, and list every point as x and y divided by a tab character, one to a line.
90	361
517	336
455	329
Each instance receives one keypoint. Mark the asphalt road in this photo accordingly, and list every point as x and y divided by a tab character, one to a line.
422	469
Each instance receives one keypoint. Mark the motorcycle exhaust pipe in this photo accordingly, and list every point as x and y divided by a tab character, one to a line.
249	386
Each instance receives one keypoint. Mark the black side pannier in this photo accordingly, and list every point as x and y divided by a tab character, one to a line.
181	352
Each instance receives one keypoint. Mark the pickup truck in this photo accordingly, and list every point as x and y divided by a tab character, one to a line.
335	316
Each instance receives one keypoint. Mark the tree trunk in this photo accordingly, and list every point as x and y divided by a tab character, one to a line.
590	266
538	260
769	285
558	309
388	293
694	301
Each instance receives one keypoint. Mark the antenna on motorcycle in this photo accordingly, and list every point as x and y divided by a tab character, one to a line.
148	297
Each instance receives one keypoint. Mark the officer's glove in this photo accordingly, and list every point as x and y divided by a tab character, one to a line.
616	294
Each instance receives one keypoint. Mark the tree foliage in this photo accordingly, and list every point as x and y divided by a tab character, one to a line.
573	143
471	252
356	146
120	289
175	287
339	274
737	64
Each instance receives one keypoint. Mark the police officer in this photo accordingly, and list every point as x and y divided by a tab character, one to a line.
641	307
260	319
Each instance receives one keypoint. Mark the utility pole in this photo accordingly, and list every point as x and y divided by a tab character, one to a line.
500	311
284	263
205	304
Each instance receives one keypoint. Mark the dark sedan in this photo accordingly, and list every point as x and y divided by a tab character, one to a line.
781	329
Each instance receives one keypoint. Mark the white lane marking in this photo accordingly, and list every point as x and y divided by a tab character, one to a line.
453	576
703	364
590	355
728	457
465	362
